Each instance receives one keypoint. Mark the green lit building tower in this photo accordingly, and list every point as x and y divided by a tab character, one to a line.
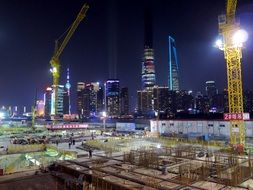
173	77
50	103
59	104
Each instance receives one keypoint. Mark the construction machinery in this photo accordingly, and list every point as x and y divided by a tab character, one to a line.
231	42
55	60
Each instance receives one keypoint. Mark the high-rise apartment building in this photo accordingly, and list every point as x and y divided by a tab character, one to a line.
100	99
90	99
59	104
80	88
40	108
47	100
145	102
112	97
173	77
164	100
66	102
184	101
225	98
94	89
124	101
87	101
217	103
211	89
202	103
50	102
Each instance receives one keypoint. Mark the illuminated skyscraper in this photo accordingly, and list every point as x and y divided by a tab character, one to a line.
59	103
148	67
100	99
173	77
80	88
145	102
89	99
40	108
50	103
112	90
66	101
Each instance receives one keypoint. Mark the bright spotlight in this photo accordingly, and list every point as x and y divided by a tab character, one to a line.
2	115
104	114
240	37
53	70
219	44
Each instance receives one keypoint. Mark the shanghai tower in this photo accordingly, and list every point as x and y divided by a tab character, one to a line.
148	67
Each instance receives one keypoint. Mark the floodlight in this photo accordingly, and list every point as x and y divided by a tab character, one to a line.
53	70
219	44
2	115
240	37
104	114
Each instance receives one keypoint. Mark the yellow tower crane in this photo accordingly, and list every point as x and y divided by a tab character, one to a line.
231	43
55	60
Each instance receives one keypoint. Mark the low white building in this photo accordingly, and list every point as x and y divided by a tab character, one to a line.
198	127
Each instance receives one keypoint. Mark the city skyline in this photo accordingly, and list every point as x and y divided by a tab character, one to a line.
31	56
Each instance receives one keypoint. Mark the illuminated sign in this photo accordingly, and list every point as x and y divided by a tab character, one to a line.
236	116
68	126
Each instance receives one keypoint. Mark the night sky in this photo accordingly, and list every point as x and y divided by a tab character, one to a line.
112	34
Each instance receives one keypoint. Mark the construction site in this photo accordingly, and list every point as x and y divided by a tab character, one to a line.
147	161
176	167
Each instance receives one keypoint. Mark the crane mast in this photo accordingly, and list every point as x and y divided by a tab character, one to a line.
55	60
233	54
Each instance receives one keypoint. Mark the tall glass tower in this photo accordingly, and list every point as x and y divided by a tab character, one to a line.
67	105
112	97
148	67
173	77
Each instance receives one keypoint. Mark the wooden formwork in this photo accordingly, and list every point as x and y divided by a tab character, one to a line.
180	166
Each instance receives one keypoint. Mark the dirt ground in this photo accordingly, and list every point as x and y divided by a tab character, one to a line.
35	182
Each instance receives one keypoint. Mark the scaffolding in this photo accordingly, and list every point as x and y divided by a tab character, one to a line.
164	168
